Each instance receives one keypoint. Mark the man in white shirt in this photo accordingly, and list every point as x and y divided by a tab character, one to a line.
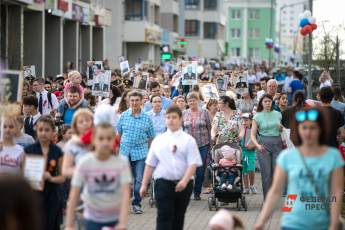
288	80
172	159
47	102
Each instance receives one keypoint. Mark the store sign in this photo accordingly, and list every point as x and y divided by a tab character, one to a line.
77	12
63	5
26	1
103	17
152	36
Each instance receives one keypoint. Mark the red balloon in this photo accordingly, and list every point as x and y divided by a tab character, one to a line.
308	29
303	32
314	26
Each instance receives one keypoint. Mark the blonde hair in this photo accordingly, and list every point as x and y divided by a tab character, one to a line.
77	114
73	74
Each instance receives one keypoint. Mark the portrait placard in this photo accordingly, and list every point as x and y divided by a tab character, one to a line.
34	168
93	67
11	86
189	73
101	83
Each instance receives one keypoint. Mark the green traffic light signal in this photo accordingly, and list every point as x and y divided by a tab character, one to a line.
166	56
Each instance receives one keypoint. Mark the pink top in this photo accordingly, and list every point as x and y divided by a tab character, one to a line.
226	163
69	85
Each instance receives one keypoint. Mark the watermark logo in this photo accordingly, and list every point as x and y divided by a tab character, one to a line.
289	202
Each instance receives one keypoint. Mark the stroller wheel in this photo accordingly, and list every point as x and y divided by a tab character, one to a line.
238	204
151	202
244	203
216	204
210	204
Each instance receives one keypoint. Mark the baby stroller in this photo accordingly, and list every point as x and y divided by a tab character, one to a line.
235	195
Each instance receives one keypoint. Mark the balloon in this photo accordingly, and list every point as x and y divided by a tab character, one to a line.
200	69
314	26
308	29
312	20
307	14
303	32
304	22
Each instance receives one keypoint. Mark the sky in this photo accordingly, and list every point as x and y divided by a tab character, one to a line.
330	13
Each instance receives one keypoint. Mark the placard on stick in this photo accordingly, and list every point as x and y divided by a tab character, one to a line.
93	67
101	83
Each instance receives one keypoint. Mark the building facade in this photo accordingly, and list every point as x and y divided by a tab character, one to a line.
141	27
247	28
289	38
205	28
49	34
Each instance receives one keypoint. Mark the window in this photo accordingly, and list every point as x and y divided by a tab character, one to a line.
192	27
235	33
210	30
192	4
235	14
254	14
235	52
210	4
254	33
254	52
135	10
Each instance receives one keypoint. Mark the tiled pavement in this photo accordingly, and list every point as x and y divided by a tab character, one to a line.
198	215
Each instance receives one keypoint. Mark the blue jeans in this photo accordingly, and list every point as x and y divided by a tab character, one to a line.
200	171
91	225
138	173
227	178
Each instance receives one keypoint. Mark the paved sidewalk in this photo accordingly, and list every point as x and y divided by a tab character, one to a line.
198	215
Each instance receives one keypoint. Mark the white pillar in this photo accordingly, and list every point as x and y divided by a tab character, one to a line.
245	33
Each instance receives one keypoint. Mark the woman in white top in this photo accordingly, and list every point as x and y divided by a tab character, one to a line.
172	159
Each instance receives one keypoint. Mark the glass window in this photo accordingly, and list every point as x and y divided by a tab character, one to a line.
235	52
254	33
210	30
235	33
135	10
192	27
210	4
235	14
192	4
254	14
254	52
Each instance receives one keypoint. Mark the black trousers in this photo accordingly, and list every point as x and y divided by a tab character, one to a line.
171	205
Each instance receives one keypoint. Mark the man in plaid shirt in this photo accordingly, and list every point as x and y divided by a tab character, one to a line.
136	130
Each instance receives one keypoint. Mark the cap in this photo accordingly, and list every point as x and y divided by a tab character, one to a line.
227	151
246	115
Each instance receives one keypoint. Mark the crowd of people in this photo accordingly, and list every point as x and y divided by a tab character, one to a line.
103	152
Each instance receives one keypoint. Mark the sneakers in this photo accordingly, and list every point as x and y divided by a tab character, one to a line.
229	187
223	186
197	197
246	191
137	209
253	189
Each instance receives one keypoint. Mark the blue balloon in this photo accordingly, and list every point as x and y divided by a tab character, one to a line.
303	22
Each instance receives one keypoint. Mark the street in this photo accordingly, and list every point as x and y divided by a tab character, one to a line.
198	215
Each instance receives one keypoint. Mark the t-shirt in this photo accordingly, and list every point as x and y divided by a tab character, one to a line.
295	85
301	216
336	120
75	149
11	158
102	181
68	115
24	140
268	123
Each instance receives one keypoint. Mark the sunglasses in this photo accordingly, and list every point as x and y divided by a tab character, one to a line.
311	115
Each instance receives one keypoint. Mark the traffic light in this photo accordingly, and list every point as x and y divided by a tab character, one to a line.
166	54
182	42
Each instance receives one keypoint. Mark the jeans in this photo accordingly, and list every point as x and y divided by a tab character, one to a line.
91	225
171	205
200	171
227	178
138	173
